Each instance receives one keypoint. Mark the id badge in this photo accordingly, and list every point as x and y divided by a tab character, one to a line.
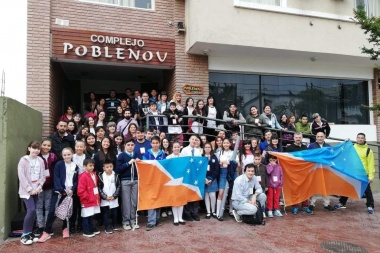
225	165
96	191
208	167
174	121
112	104
142	150
47	173
258	178
275	179
250	191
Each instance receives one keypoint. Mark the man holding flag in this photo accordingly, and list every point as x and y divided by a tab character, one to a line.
368	161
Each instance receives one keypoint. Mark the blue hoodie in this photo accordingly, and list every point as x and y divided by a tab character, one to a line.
149	155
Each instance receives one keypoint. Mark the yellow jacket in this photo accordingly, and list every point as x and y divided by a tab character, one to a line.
367	161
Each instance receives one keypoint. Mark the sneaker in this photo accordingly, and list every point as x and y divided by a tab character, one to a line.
136	226
370	210
108	230
340	206
270	214
307	210
164	215
311	208
158	223
329	208
281	203
237	216
34	237
38	231
95	231
88	234
127	227
277	213
295	210
149	227
26	240
114	228
264	215
65	233
170	213
44	237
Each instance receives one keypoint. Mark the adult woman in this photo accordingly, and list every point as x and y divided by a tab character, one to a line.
284	122
82	133
90	124
100	107
270	118
288	137
101	119
211	112
177	99
119	115
91	104
257	121
320	125
189	108
132	129
69	115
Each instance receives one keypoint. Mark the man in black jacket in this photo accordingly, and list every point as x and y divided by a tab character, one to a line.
61	139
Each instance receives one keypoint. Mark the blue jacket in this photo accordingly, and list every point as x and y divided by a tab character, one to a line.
316	145
149	155
138	145
60	178
213	173
124	169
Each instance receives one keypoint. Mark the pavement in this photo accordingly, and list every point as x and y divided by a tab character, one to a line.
346	230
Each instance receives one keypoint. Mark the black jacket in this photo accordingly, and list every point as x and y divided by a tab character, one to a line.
325	128
58	143
116	194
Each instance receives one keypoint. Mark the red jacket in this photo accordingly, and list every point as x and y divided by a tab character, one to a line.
86	191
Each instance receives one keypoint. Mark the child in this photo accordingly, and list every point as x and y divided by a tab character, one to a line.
126	168
211	180
174	118
45	196
176	210
261	172
155	123
65	184
78	158
109	188
119	144
31	179
274	171
88	193
155	153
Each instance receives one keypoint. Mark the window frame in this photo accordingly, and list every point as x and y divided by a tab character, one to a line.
153	8
368	7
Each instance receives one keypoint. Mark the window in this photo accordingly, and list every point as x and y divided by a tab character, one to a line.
372	7
143	4
338	101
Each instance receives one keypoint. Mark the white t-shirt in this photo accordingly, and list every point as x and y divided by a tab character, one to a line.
109	189
78	160
211	114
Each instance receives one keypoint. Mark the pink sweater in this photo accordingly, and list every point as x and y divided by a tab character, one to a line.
25	177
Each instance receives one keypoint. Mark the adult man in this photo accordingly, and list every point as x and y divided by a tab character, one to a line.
245	192
122	126
303	126
233	117
320	143
61	139
320	125
190	211
111	104
265	143
298	146
368	161
128	93
141	145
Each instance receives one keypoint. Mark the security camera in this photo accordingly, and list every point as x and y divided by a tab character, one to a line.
206	51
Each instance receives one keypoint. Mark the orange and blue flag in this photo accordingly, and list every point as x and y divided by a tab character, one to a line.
333	170
171	182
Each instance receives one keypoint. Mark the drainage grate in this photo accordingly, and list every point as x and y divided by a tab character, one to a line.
342	247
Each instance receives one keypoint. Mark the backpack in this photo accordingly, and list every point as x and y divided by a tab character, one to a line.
255	219
65	208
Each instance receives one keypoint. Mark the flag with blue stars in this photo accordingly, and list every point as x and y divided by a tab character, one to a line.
335	170
171	182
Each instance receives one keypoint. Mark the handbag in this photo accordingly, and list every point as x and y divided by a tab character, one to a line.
65	209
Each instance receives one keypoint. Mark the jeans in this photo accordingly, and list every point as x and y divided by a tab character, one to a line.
244	208
30	213
153	216
43	207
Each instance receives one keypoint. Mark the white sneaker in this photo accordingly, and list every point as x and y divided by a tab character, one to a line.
264	216
164	215
127	227
136	226
270	214
370	210
277	213
237	216
170	213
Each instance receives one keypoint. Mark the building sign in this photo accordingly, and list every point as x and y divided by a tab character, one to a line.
107	47
192	89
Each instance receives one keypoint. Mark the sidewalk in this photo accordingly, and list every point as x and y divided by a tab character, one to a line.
292	233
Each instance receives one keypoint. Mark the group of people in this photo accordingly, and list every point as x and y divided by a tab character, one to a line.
98	170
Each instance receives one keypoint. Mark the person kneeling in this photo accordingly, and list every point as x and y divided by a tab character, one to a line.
246	192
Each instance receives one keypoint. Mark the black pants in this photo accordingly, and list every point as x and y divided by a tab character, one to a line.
368	196
106	212
191	208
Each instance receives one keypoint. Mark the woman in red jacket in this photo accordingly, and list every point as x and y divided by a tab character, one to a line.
88	193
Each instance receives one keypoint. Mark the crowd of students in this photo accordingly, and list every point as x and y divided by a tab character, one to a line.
94	163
